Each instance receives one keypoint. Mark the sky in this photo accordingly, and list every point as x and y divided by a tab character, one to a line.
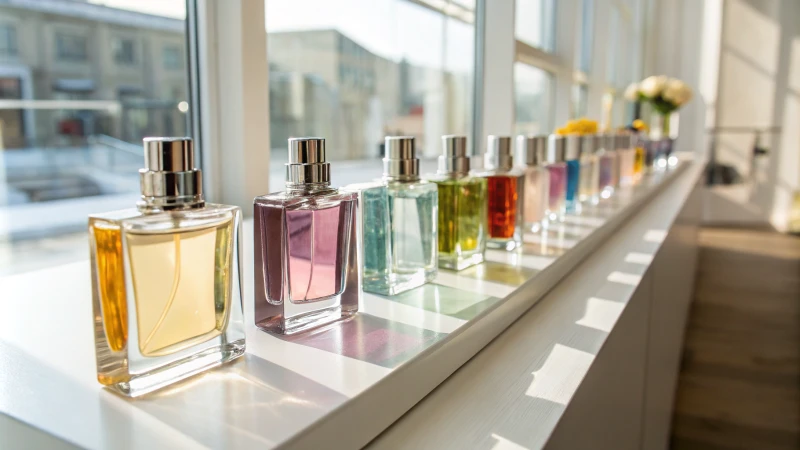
393	29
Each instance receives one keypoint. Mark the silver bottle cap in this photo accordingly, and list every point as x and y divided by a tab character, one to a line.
532	149
307	164
454	159
573	146
599	142
624	141
556	149
400	159
587	145
169	179
607	142
498	153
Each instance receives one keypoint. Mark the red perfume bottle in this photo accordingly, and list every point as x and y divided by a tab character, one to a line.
505	194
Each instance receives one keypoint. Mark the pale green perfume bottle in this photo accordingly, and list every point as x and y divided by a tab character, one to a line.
399	223
462	207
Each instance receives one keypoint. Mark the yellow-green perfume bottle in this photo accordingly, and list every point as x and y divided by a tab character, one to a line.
166	280
462	208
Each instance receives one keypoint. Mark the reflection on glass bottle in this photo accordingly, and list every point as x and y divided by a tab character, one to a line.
557	169
533	153
462	208
306	263
167	286
399	223
505	194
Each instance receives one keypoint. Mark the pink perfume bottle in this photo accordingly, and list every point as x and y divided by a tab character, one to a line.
557	168
532	151
306	263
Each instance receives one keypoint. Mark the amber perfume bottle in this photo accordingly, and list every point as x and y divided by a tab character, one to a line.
505	194
462	207
166	279
532	152
306	259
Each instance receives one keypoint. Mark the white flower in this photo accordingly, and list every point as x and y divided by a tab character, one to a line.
677	92
632	92
651	87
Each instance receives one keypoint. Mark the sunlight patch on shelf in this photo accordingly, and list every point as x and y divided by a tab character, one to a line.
601	314
644	259
624	278
560	375
504	444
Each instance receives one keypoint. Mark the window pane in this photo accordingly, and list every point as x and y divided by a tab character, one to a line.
586	32
613	47
535	23
94	86
354	71
580	98
532	87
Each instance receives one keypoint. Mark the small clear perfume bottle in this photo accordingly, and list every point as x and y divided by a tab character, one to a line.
557	168
626	151
607	157
166	280
306	258
400	221
590	168
462	207
505	194
532	152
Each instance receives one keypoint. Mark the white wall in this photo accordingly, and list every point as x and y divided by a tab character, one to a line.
743	58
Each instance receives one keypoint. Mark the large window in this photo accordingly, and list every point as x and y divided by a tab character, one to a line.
355	71
532	100
534	25
8	40
124	51
71	47
71	140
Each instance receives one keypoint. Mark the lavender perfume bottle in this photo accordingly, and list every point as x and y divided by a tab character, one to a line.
306	263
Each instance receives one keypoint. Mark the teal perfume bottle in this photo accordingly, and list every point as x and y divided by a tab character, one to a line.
462	208
399	223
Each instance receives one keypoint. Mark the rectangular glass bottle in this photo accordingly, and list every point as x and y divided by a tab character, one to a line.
462	208
589	171
607	156
505	194
627	156
306	259
166	280
533	152
557	171
399	224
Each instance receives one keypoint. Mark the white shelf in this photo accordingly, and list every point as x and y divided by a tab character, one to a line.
347	382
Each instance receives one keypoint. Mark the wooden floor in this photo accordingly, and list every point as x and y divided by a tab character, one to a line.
740	381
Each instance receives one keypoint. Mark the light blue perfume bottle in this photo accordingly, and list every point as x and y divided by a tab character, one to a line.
399	221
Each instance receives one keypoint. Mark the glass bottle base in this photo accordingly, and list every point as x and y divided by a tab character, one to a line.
137	385
304	321
504	244
455	262
398	283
